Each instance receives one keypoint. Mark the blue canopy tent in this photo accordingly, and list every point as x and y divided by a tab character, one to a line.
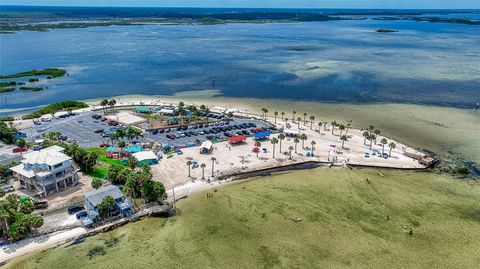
262	135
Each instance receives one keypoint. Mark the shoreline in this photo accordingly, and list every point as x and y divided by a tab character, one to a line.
55	239
188	188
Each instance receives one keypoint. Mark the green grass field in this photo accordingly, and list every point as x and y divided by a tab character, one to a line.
345	223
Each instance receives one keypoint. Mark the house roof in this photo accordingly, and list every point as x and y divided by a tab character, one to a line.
50	156
96	197
145	155
237	138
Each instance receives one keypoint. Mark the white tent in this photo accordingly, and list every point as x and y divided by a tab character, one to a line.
206	147
290	132
145	155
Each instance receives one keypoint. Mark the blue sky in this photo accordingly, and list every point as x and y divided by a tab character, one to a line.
460	4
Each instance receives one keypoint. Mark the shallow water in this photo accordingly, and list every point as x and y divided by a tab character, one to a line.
334	61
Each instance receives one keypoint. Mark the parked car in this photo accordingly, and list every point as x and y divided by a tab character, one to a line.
41	204
99	131
75	208
19	149
37	147
81	214
106	134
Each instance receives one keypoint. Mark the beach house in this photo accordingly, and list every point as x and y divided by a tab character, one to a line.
45	171
94	198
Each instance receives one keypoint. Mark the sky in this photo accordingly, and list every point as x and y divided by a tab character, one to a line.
395	4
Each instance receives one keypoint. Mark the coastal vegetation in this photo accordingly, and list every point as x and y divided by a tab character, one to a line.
7	132
54	72
322	217
33	89
45	27
56	107
16	219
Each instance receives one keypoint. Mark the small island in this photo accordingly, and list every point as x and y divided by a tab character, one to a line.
32	75
386	31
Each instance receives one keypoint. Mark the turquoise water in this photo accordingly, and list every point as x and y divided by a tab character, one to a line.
331	61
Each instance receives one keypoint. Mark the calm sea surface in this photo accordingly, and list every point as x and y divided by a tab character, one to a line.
333	61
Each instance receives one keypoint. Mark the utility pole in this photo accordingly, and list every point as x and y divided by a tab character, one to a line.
173	190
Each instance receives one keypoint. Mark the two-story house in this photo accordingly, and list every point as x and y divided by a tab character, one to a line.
94	198
46	170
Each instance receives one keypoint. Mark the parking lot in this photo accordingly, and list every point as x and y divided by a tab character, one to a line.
82	128
218	131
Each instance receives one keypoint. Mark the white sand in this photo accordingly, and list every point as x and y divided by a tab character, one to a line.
33	244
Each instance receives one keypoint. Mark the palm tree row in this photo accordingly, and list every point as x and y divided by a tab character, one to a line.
203	166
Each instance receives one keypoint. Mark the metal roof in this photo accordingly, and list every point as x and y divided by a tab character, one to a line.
96	197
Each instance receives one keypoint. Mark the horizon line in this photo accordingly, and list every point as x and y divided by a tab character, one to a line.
205	7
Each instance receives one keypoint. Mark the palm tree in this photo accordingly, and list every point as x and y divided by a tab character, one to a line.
319	127
304	118
371	138
275	114
341	128
96	183
121	145
312	119
296	141
376	132
274	141
281	137
189	164
113	137
290	151
303	137
333	123
132	162
293	118
104	103
258	144
203	170
264	113
313	143
213	164
120	133
298	122
349	123
383	142
343	138
391	146
112	103
283	114
366	134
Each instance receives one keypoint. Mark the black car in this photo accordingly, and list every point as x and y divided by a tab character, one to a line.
161	131
155	132
200	125
206	125
179	128
251	124
74	209
244	132
184	127
99	131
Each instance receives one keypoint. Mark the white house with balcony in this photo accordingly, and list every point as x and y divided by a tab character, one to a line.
46	170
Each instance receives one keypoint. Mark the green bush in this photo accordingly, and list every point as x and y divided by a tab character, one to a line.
53	108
